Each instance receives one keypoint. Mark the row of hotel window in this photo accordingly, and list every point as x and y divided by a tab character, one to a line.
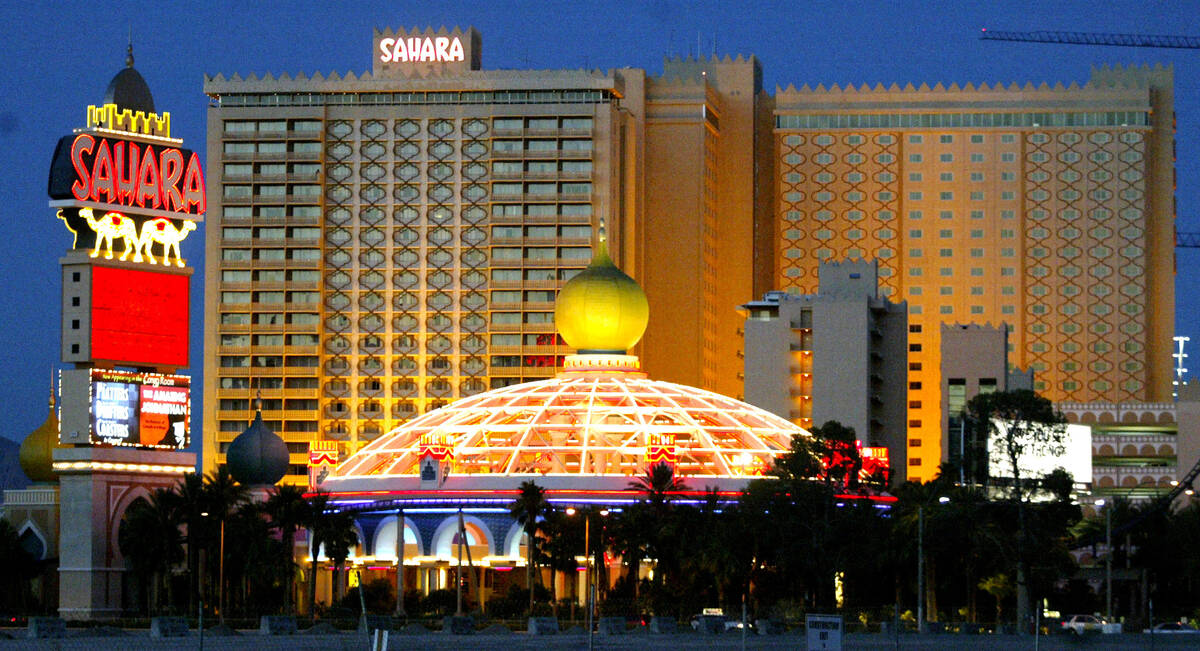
1067	138
407	127
407	171
1037	176
1066	214
1128	156
408	149
406	342
404	236
955	120
403	192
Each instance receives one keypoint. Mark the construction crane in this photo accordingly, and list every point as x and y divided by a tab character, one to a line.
1095	38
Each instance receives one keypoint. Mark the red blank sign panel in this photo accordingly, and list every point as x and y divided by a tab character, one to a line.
139	317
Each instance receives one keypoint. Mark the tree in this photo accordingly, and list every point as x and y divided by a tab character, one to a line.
1019	424
20	567
150	540
335	531
657	485
529	507
313	522
288	511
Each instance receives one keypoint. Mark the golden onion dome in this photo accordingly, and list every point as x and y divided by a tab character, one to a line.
601	310
37	449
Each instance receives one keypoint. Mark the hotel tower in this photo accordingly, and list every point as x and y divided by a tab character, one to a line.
384	244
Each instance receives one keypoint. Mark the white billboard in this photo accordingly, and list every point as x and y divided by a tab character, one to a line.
1074	454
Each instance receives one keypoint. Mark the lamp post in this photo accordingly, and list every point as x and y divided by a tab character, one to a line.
400	563
921	562
1107	558
587	569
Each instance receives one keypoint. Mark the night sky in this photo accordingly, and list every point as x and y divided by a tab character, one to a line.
59	57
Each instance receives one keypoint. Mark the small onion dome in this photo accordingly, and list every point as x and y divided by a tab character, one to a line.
36	455
257	457
128	90
601	310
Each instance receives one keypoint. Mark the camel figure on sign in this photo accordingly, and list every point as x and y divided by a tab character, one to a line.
113	226
163	232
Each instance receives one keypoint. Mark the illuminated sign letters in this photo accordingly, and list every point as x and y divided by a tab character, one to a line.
421	49
132	175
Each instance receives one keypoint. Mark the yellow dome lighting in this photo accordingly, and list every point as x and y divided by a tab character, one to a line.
601	310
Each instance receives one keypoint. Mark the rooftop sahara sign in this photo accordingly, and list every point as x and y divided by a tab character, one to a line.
425	52
420	49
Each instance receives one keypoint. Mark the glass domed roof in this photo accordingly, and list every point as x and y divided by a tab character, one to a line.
600	417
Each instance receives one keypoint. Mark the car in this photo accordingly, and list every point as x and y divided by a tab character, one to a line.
722	622
1172	628
1081	624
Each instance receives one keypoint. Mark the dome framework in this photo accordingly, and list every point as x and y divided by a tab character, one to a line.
601	417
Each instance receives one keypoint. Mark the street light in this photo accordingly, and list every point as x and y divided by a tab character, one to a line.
587	569
1107	559
921	562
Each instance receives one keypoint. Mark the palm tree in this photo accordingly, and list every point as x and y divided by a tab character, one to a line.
288	511
527	509
337	533
658	484
312	521
191	495
150	540
220	496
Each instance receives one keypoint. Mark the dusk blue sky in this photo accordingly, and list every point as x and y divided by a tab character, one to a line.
59	57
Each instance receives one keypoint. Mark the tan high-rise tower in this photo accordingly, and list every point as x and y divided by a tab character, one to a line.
1049	209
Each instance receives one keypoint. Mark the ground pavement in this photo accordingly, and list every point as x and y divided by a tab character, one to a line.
136	640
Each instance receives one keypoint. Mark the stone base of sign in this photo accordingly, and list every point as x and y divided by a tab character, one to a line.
96	486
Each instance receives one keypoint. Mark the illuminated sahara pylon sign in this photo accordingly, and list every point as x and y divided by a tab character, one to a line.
137	243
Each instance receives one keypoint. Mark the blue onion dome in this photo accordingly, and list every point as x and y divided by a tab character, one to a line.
128	90
257	457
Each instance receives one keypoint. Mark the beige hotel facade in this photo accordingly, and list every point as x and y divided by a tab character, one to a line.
382	244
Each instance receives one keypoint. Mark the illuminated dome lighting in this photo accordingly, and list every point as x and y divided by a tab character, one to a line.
593	428
601	310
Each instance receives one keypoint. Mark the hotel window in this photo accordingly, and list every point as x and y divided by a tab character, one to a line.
914	158
976	196
946	158
945	139
977	272
914	309
946	176
946	291
946	196
945	233
915	176
915	139
976	291
946	253
914	253
976	253
945	271
976	233
914	196
1008	157
946	309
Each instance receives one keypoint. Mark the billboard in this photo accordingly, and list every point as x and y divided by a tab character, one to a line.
139	409
1073	455
139	318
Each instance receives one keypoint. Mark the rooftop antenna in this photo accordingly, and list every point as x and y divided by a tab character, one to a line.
129	50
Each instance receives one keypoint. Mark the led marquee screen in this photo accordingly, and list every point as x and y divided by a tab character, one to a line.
139	318
140	409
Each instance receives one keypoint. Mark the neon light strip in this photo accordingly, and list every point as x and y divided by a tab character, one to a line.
78	466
